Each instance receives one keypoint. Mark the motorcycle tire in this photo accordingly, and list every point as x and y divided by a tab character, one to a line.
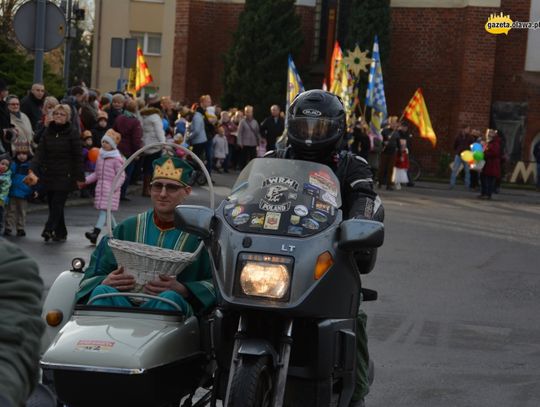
253	383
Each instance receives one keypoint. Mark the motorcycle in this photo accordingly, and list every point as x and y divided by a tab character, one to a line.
283	333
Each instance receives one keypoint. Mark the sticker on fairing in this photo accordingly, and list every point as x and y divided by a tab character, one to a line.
295	230
241	219
257	220
326	197
322	206
323	181
295	219
271	221
311	190
277	192
319	216
237	211
300	210
309	223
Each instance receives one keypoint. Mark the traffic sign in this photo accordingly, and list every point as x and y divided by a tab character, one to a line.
24	24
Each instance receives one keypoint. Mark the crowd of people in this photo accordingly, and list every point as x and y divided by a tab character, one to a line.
487	176
50	148
387	154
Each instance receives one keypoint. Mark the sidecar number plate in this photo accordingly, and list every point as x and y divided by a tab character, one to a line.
94	345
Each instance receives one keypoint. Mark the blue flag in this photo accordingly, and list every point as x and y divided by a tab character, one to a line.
375	91
294	83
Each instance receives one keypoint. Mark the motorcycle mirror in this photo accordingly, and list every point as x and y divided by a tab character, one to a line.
356	234
194	219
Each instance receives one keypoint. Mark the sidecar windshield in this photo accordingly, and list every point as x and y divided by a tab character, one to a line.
283	197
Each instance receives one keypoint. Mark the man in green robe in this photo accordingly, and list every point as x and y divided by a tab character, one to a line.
192	289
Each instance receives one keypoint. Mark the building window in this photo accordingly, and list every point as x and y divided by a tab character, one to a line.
150	43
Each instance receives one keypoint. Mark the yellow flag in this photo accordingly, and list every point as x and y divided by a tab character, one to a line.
417	113
139	75
343	86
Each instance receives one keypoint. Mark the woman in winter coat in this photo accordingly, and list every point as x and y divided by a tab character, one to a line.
59	164
25	134
492	168
152	133
109	163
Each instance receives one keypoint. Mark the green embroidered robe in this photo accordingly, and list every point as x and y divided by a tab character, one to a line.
197	277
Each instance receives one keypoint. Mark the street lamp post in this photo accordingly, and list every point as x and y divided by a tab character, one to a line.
67	48
39	41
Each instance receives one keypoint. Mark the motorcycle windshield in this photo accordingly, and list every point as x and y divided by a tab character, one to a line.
283	197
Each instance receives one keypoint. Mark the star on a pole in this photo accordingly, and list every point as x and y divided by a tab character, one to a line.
357	60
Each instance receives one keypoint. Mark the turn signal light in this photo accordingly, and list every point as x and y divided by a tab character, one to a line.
324	262
54	317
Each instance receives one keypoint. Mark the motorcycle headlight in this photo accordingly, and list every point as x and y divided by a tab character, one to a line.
265	275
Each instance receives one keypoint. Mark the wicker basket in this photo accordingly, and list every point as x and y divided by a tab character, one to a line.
144	261
147	262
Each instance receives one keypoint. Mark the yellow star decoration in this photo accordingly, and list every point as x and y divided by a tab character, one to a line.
357	60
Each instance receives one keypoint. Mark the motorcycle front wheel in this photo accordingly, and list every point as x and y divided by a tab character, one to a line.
252	384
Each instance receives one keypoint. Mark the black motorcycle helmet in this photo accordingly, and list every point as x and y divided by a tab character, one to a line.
316	125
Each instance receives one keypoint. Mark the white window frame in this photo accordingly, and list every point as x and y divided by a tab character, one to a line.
144	45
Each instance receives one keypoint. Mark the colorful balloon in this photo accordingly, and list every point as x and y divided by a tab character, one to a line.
93	154
478	155
467	156
476	147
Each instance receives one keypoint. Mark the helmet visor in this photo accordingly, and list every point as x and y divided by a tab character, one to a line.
312	128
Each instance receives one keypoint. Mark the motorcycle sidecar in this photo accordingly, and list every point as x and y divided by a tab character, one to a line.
125	357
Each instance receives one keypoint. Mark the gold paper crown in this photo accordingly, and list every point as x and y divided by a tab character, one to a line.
168	170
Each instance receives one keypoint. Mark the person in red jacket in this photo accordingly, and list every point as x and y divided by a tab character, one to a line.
129	126
492	168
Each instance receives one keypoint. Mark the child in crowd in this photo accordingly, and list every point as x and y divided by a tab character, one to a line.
221	147
100	128
401	165
108	164
20	192
88	143
89	165
5	184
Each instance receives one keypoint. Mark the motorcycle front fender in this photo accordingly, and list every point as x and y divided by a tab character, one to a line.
257	347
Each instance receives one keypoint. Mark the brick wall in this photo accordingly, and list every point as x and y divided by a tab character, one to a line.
461	68
509	84
203	33
443	51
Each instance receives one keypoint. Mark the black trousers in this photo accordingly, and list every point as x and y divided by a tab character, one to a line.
386	166
248	154
56	222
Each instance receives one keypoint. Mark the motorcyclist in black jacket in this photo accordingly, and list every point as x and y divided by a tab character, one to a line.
315	127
